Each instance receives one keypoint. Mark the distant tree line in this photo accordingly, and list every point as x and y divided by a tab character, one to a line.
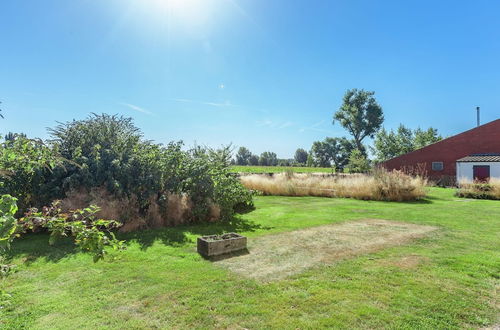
362	117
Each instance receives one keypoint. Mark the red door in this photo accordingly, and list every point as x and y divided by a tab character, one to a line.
481	172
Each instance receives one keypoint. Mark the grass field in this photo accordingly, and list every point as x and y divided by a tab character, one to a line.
448	279
280	169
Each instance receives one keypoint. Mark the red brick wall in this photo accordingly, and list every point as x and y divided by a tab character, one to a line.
482	139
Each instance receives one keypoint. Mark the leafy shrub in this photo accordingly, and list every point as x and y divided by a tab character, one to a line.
8	223
25	165
90	233
105	157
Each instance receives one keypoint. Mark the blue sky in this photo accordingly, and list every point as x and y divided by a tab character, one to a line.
265	74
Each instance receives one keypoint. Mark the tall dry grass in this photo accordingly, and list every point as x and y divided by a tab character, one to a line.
489	190
381	185
170	210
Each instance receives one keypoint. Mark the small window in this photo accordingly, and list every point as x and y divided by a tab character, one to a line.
437	166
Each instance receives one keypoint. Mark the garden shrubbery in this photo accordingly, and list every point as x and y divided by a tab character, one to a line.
478	190
105	160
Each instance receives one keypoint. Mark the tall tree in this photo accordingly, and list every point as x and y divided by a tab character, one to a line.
301	156
393	143
243	156
360	115
253	160
425	137
268	158
332	152
310	160
320	155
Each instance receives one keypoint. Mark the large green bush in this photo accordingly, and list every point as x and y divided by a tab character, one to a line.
109	152
25	167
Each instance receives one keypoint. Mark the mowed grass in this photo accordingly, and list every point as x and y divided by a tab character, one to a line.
280	169
449	279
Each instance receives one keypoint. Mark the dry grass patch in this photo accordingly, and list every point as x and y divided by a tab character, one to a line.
382	185
406	262
476	190
275	257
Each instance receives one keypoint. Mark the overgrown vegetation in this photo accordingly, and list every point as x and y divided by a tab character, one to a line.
480	190
26	170
380	185
90	234
108	155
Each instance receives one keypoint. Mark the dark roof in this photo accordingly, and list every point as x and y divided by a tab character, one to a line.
481	158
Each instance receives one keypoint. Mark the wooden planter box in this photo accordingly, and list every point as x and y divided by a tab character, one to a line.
215	245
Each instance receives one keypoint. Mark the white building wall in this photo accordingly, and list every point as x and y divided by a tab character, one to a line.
465	170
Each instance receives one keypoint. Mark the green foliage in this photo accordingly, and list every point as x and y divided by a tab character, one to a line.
105	151
332	152
301	156
208	179
358	163
390	144
268	158
310	160
253	160
25	164
8	223
90	233
425	137
243	156
360	115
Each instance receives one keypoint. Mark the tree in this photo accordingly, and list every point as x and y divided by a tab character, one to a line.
390	144
242	156
360	115
253	160
268	158
310	160
358	163
320	155
301	156
424	138
332	152
285	162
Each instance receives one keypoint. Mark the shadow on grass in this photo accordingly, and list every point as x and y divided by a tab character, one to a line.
176	236
33	246
425	200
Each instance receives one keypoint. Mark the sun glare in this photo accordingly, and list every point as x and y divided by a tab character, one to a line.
188	11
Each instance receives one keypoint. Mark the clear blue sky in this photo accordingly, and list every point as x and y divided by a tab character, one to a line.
266	74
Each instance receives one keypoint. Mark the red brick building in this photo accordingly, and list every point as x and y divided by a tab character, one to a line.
439	159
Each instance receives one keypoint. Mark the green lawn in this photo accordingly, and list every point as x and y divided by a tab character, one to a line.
161	282
279	169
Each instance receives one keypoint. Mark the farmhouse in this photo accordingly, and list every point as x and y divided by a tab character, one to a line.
474	151
478	167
